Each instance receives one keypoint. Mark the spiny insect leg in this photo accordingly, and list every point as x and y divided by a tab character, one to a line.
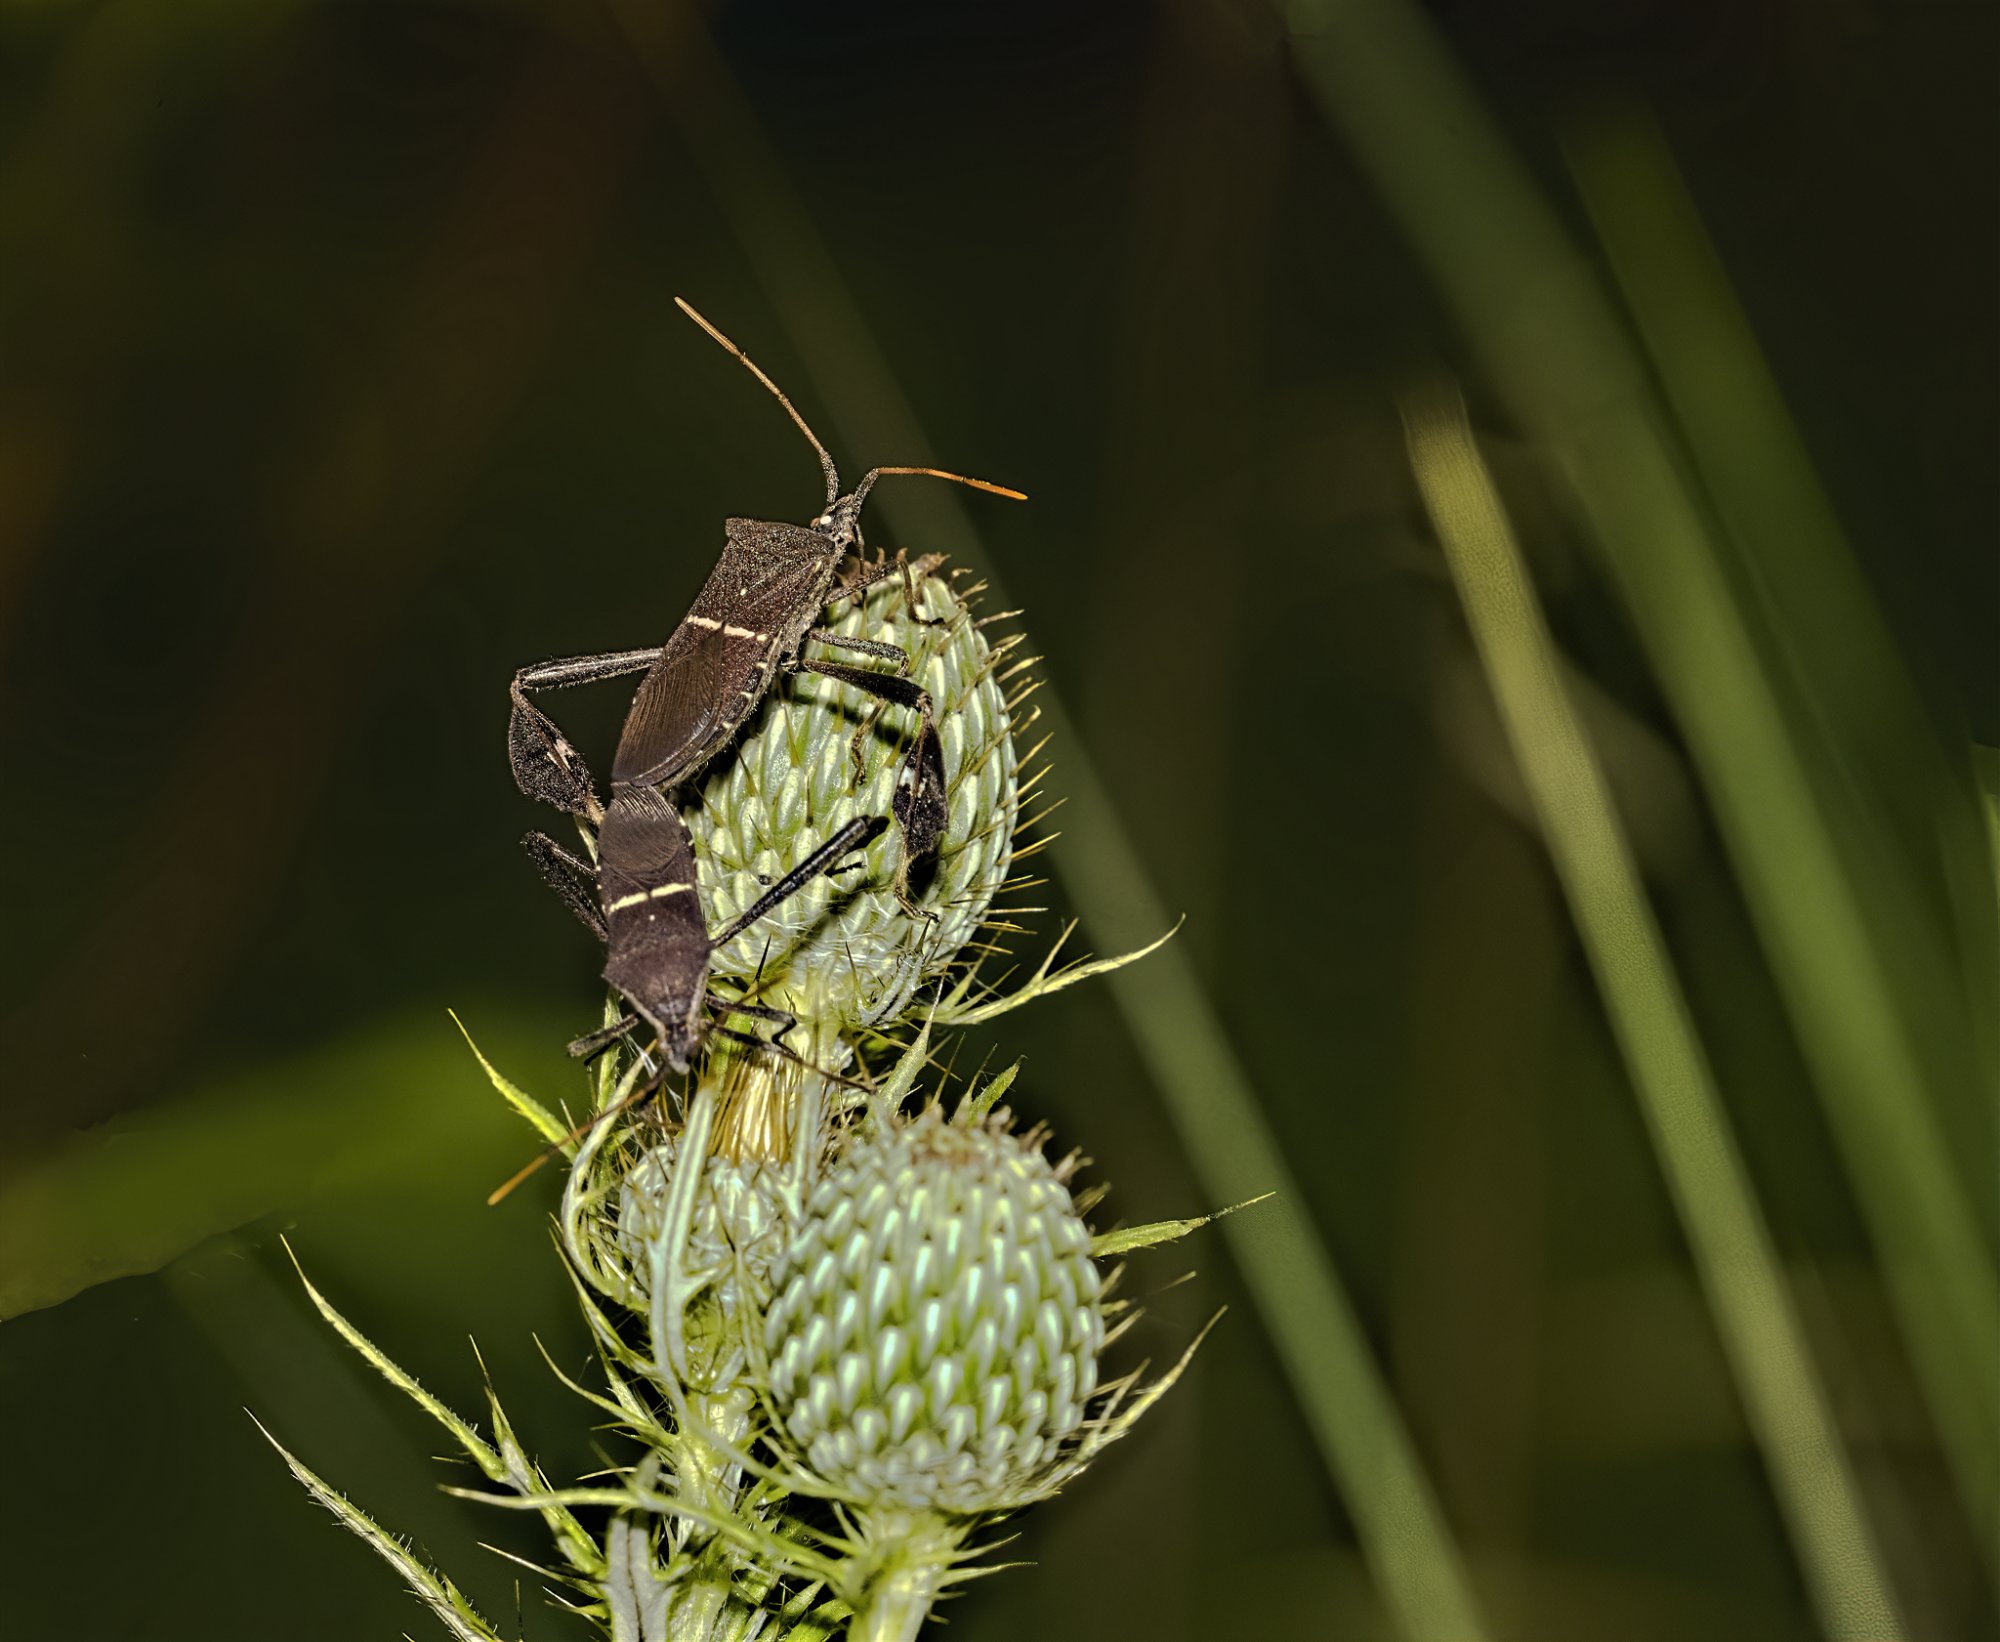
545	765
571	877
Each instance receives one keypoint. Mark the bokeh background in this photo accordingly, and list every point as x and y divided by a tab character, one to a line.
341	377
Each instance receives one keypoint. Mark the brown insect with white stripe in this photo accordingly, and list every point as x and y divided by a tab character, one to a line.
647	910
748	623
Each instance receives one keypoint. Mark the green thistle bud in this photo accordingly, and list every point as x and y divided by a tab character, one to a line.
737	1215
935	1323
847	951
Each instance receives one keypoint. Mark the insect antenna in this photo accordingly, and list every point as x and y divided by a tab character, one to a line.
751	365
868	483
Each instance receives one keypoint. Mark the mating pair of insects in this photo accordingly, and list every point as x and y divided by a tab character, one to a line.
749	624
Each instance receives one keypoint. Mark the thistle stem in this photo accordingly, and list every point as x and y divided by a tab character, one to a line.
915	1551
896	1607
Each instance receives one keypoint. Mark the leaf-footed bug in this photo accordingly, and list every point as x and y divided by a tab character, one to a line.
749	622
659	944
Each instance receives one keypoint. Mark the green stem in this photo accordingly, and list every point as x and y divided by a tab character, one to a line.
897	1607
915	1551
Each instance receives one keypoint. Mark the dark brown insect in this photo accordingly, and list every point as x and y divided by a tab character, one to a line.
646	909
748	623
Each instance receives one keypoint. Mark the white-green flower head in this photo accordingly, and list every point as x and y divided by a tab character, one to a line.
935	1323
845	951
738	1217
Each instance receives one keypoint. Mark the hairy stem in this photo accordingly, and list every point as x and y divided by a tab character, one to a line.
915	1551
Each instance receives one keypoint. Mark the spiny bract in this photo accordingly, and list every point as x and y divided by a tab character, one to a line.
844	951
935	1323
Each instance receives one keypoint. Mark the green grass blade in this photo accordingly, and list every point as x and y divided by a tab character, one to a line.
1552	344
1739	1269
1362	1438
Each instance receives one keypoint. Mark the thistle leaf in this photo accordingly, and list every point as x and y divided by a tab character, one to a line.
956	1011
979	1102
1162	1231
552	1128
903	1079
483	1454
437	1593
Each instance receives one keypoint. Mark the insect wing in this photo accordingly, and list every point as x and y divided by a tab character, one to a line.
763	594
675	714
643	844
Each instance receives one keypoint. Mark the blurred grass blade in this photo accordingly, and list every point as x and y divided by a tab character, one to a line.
1359	1431
1916	851
1986	769
1913	984
1732	1249
1235	1155
1554	348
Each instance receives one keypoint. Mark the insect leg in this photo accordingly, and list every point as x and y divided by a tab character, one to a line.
644	1092
921	806
862	831
545	765
891	687
573	879
747	1006
750	1040
784	1019
894	688
870	575
778	1047
593	1044
565	671
870	647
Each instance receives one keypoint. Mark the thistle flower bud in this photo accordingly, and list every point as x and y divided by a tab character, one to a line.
935	1323
737	1215
846	950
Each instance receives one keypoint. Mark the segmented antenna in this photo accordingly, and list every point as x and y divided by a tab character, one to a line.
861	490
825	460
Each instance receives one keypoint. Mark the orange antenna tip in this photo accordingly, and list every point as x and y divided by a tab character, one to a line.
962	479
1007	491
501	1192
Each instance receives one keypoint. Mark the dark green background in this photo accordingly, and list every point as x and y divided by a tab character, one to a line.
340	377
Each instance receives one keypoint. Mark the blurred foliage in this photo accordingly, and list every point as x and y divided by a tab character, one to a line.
338	377
379	1110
